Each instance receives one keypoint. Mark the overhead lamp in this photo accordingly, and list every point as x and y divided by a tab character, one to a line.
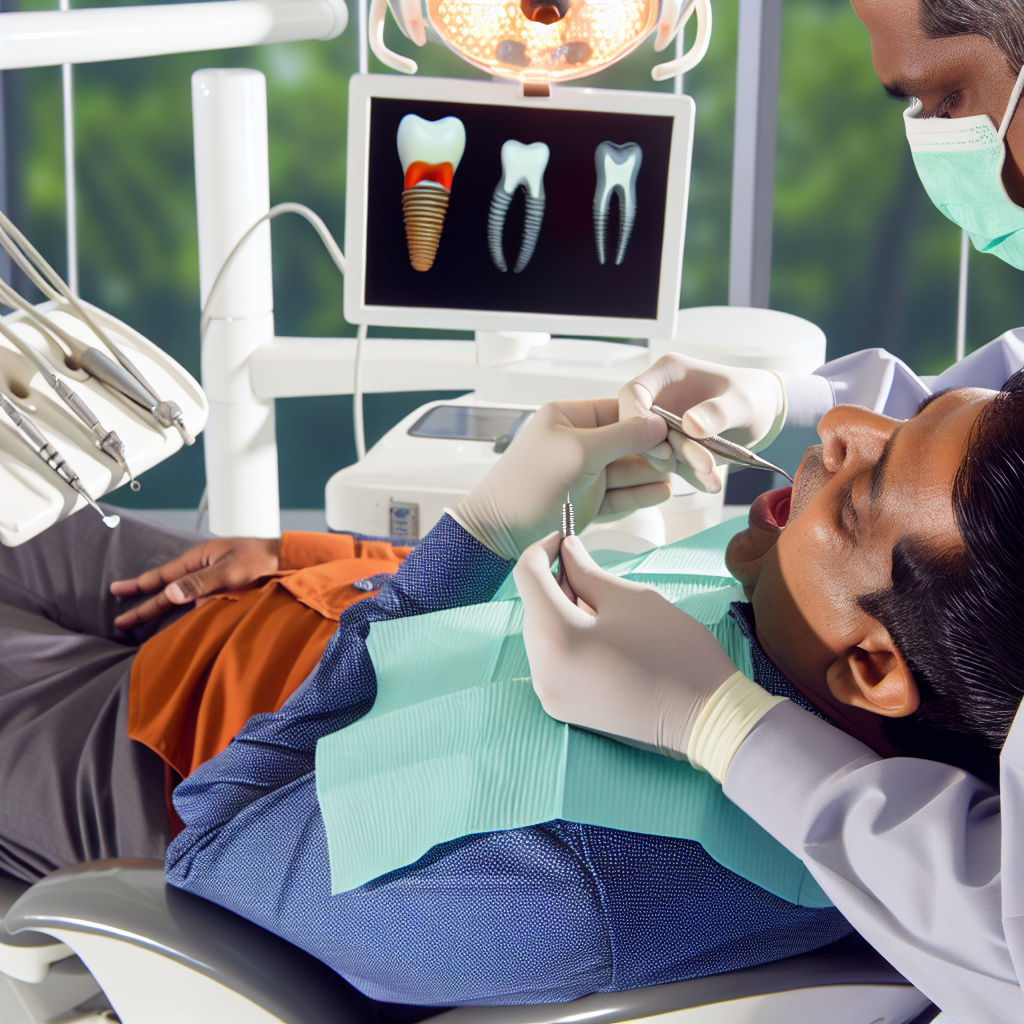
540	41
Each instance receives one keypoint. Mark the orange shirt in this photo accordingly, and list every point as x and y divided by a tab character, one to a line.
196	683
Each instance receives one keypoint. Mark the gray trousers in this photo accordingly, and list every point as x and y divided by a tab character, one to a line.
73	787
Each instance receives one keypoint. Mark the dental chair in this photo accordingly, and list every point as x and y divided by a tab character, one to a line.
163	956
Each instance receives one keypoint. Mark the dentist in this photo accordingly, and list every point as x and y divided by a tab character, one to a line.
925	860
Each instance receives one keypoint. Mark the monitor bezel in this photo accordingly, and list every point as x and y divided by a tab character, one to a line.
364	88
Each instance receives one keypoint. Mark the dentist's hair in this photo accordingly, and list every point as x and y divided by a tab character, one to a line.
1001	21
958	617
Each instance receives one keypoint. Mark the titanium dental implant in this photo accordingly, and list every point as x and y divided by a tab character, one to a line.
568	530
430	152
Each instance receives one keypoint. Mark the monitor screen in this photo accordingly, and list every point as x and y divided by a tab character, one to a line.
518	213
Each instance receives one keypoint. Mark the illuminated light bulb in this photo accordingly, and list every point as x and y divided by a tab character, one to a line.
542	40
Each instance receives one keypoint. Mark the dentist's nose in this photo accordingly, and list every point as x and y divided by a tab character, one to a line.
853	437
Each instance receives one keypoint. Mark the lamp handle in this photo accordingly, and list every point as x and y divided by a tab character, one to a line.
669	28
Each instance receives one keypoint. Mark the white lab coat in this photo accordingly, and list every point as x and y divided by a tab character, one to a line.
926	861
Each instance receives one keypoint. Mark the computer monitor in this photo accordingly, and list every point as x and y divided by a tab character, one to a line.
473	207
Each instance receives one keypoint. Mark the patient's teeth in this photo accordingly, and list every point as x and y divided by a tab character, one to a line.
617	168
521	166
430	152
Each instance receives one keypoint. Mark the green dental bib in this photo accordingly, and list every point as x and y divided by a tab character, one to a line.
458	744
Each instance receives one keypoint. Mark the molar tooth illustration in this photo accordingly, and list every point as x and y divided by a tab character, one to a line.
522	166
430	152
617	169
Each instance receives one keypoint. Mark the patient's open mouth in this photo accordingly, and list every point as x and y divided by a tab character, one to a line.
770	511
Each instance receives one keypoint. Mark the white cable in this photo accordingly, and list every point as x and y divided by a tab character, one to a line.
275	211
961	297
677	85
357	395
363	38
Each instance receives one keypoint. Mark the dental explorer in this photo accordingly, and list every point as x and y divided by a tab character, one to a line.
107	440
719	445
35	437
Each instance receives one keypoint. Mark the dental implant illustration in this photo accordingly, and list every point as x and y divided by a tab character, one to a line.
430	152
522	166
617	170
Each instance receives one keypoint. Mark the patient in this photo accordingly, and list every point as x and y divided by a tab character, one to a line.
547	913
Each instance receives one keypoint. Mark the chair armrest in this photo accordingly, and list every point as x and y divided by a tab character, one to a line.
857	964
130	901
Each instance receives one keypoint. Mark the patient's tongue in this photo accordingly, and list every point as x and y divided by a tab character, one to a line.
778	503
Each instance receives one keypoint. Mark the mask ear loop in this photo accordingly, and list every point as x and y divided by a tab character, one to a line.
1011	107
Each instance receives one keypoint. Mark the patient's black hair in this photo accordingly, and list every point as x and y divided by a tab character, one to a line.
958	617
1001	21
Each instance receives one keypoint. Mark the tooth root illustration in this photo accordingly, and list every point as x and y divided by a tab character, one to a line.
617	170
522	166
430	152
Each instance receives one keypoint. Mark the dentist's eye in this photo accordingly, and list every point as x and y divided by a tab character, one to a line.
948	105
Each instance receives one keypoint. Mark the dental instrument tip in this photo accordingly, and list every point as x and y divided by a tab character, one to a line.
111	521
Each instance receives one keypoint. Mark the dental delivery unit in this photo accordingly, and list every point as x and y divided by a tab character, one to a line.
538	215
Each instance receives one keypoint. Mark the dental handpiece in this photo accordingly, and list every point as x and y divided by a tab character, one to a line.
107	440
99	365
53	458
720	446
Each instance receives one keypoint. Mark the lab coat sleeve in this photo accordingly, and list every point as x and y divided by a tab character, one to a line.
874	378
879	381
907	849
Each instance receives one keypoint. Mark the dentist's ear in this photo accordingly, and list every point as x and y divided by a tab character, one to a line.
874	676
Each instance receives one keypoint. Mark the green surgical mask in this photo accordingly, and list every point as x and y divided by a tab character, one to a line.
960	163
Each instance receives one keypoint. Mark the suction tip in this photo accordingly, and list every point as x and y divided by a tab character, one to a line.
111	521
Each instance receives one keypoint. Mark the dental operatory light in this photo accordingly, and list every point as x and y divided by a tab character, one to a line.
540	41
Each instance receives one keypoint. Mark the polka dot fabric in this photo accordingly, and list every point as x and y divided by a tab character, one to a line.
541	914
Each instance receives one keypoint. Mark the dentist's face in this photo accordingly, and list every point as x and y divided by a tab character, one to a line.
958	76
808	555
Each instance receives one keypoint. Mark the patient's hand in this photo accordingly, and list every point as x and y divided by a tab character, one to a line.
217	565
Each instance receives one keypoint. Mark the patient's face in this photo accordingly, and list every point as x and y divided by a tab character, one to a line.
808	555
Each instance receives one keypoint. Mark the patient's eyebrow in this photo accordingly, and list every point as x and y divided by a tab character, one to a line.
925	402
878	472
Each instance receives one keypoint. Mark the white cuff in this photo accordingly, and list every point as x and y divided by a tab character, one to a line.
726	721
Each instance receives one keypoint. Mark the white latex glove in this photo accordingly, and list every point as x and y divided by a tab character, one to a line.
575	447
745	406
638	668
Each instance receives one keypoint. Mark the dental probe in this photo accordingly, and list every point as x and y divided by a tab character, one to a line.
568	530
50	455
107	440
720	446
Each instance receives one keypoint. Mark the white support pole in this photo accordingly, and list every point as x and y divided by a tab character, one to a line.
70	199
229	117
758	57
961	296
677	84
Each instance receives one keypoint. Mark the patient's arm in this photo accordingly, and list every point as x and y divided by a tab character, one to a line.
216	565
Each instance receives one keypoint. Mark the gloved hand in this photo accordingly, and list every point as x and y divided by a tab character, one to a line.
577	447
638	668
746	406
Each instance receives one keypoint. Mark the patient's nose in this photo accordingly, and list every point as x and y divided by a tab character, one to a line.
853	437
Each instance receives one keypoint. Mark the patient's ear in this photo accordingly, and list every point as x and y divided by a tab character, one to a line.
874	676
